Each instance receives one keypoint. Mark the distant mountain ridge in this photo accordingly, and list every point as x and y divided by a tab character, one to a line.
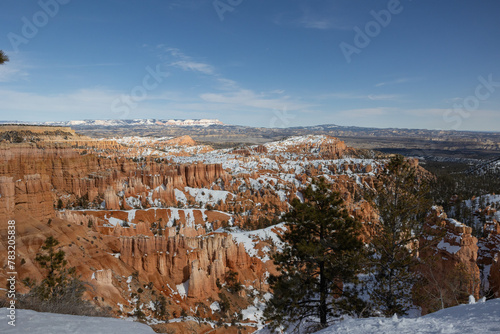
127	122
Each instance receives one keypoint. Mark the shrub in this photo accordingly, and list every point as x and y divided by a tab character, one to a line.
233	285
61	290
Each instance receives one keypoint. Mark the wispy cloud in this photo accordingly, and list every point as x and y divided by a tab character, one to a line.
248	98
193	66
13	71
353	96
453	100
186	4
395	82
234	96
227	84
364	112
178	59
83	65
93	102
316	23
427	112
324	18
278	91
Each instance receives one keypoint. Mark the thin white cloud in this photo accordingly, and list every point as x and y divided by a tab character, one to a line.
194	66
324	18
85	102
427	112
382	97
13	71
92	103
453	100
395	82
248	98
278	91
235	98
449	119
84	65
353	96
227	84
311	23
178	59
186	4
364	112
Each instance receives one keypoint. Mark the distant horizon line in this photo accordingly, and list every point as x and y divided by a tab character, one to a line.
206	123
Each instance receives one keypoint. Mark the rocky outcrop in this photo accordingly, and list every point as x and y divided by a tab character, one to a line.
104	277
33	134
112	201
448	263
181	141
326	147
494	279
489	259
8	196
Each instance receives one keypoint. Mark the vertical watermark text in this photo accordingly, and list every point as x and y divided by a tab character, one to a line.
11	272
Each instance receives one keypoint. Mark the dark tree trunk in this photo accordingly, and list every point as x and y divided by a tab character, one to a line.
323	294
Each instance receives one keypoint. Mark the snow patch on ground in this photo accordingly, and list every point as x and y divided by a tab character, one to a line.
183	289
28	321
208	196
215	307
251	238
180	196
481	317
447	247
114	221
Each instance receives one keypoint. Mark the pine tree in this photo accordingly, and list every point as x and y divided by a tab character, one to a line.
323	252
55	263
3	57
402	201
61	291
59	280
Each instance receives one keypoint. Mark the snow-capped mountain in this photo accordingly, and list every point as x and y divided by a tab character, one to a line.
131	122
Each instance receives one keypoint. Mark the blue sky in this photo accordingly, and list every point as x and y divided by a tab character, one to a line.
271	63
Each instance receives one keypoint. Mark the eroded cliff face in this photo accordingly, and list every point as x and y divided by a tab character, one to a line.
200	261
175	246
38	177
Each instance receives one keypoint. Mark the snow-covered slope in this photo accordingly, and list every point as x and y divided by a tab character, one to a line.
482	317
28	321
